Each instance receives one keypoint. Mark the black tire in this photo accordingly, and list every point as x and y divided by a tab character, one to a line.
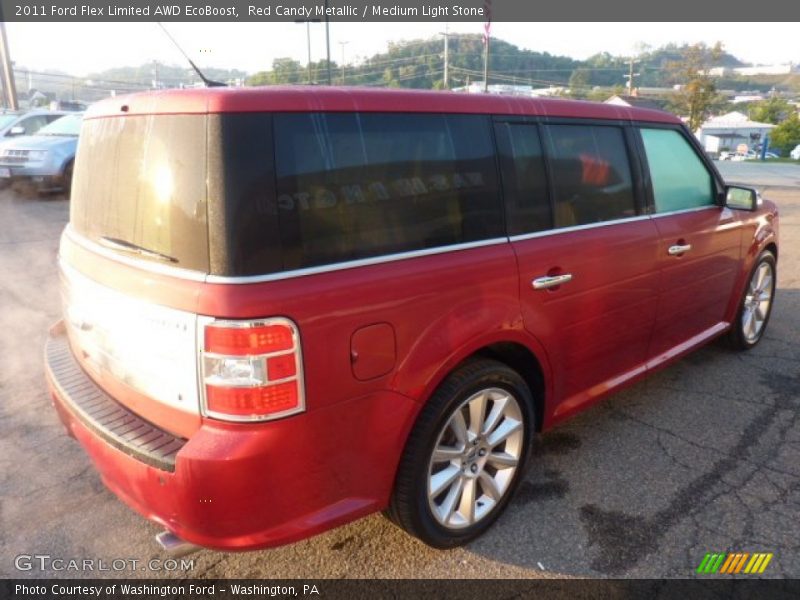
66	179
409	507
737	338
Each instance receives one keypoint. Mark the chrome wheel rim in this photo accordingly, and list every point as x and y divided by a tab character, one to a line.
475	458
757	301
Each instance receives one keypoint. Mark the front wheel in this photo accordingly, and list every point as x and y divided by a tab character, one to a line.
66	180
756	304
465	455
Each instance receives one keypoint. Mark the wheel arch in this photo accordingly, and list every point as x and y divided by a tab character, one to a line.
523	361
772	247
517	351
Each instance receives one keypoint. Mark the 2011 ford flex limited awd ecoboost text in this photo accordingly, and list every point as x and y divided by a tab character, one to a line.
286	308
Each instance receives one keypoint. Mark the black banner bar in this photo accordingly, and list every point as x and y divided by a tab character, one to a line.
376	589
397	10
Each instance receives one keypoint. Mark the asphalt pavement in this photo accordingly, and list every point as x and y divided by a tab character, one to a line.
703	456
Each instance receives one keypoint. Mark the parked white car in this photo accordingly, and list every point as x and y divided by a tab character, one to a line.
795	154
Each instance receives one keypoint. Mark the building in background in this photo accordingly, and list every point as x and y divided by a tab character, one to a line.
637	101
729	131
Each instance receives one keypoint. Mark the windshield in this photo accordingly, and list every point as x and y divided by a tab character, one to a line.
6	120
69	125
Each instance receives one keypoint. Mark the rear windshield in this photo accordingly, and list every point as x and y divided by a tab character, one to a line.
255	193
139	187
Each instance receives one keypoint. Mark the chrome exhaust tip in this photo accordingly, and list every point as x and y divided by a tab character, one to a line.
175	546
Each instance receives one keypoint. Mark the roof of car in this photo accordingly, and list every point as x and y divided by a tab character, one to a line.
348	99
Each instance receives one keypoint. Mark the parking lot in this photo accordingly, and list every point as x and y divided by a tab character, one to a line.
701	457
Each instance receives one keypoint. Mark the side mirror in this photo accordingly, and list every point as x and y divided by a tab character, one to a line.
741	198
16	130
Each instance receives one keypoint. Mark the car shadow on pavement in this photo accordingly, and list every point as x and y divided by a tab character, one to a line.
702	456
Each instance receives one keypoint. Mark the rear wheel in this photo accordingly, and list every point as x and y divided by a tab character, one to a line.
465	456
756	304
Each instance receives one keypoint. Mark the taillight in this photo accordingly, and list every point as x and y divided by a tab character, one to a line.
252	370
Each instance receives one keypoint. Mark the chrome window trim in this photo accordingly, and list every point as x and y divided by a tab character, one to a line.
352	264
548	232
198	276
191	275
685	210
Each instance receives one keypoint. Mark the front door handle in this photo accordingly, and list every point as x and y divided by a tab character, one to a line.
679	249
550	281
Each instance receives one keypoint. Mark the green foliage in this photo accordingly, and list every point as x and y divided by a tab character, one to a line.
786	135
579	83
169	75
698	93
772	110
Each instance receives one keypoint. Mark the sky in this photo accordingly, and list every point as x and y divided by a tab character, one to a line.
82	48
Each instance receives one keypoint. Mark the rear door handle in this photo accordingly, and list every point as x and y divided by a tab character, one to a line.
549	281
679	249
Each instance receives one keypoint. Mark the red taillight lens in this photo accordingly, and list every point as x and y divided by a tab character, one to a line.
260	339
281	367
245	402
251	370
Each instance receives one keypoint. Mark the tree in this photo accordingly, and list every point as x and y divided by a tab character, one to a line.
579	83
787	134
773	110
287	70
698	92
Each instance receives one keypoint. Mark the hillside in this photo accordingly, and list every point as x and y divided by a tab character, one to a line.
420	64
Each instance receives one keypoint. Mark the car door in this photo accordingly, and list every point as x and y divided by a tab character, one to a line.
699	245
586	252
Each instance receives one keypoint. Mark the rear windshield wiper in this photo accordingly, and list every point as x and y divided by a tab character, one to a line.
125	246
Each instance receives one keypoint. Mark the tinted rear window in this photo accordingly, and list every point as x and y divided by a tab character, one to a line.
255	193
352	186
140	182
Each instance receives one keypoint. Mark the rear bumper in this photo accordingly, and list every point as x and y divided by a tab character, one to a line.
243	486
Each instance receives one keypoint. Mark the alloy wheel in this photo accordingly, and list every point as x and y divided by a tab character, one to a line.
475	458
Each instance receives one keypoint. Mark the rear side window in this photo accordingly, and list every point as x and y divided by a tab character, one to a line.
352	185
680	179
524	178
591	174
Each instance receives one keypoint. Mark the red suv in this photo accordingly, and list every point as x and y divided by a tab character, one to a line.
287	308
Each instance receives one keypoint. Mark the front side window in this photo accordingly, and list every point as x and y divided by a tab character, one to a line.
356	185
591	174
680	179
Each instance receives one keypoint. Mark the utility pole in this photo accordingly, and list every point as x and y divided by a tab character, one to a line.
308	42
328	41
155	74
487	28
8	71
446	56
630	76
343	44
486	64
